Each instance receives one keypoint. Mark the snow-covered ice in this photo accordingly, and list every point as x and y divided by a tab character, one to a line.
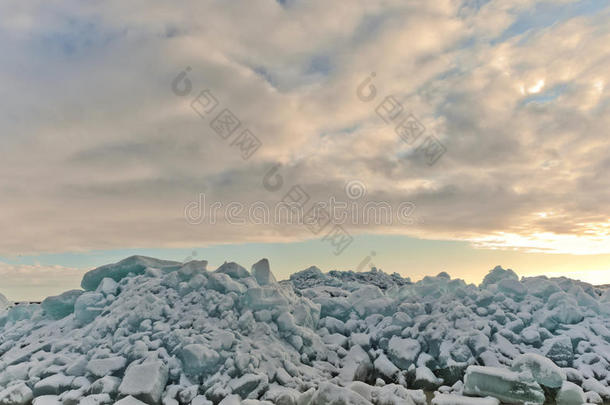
4	303
505	385
445	399
148	331
570	394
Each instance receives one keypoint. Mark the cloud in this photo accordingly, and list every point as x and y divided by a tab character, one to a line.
22	282
97	152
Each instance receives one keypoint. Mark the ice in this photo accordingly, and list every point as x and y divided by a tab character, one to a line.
312	277
262	273
105	385
333	325
593	398
201	400
264	298
531	336
502	384
20	312
53	385
62	305
145	382
512	288
18	394
362	389
597	387
249	385
132	265
108	287
88	306
199	359
4	303
386	369
498	274
446	399
287	324
14	373
96	399
393	394
47	400
357	366
544	371
329	394
129	400
187	394
403	352
540	287
223	283
233	270
151	331
106	366
231	400
565	309
570	394
560	350
425	379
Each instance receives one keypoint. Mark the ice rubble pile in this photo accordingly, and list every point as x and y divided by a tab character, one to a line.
4	303
160	332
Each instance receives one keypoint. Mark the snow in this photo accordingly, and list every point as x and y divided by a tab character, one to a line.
106	366
129	400
153	331
198	359
95	399
570	394
249	385
498	274
597	387
445	399
333	394
105	385
543	370
425	379
47	400
223	283
560	350
357	366
403	352
145	382
593	398
88	306
53	385
18	394
108	287
385	368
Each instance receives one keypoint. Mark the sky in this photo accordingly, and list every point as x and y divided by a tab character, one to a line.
452	135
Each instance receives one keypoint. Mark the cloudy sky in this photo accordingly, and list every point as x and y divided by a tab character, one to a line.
482	124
